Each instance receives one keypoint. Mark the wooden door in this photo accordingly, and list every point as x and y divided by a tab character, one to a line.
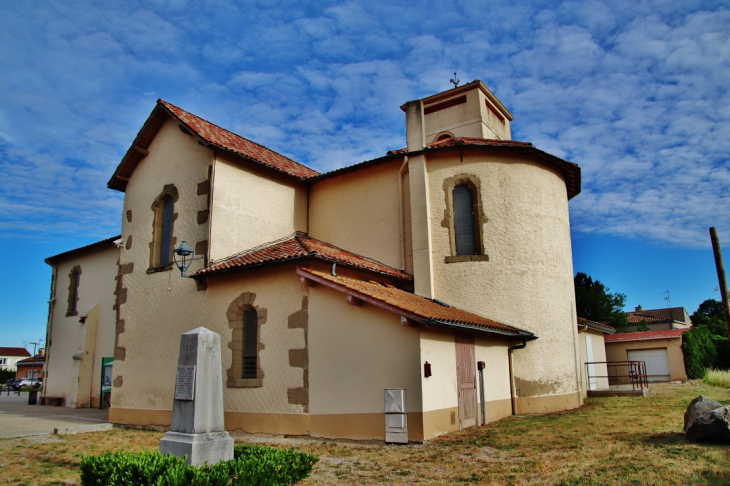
466	381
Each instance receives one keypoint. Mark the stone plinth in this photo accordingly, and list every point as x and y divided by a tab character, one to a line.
198	427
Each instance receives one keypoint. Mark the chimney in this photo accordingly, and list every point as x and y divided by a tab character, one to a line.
415	126
639	308
41	352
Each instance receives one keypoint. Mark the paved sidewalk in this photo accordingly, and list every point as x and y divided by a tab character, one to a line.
18	419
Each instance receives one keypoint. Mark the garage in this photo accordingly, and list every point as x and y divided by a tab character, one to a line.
657	362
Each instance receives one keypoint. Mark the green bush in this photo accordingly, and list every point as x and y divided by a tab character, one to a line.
704	350
251	465
699	351
722	349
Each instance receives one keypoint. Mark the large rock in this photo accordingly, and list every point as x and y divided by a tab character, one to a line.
706	421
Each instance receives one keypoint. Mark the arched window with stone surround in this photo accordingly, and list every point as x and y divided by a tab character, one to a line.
250	342
464	227
464	217
245	320
163	241
73	291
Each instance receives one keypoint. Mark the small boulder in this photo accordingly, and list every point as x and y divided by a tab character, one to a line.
706	421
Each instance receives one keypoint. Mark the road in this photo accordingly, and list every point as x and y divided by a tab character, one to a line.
18	419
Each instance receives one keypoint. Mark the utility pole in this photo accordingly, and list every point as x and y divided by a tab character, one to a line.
721	276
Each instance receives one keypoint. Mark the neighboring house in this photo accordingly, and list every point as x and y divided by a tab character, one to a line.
660	350
80	322
594	372
31	367
657	319
10	356
404	272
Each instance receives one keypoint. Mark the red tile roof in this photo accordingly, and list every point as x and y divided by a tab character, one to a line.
296	246
486	142
210	135
410	305
14	352
222	138
605	328
645	336
638	319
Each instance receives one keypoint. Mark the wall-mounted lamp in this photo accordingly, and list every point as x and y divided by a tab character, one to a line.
183	256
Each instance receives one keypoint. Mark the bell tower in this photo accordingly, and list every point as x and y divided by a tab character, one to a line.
466	111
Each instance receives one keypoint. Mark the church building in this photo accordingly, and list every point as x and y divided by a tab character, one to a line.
398	299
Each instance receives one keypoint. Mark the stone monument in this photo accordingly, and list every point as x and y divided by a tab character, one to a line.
198	429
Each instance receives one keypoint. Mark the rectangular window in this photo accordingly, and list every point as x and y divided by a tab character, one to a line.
3	361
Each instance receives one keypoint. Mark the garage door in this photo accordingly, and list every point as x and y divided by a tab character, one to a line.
657	362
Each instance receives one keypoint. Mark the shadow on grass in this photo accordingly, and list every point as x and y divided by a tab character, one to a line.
664	439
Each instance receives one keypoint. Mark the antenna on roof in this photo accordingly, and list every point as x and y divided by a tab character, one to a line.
669	304
455	81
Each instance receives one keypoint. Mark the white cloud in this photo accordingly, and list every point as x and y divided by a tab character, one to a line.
635	92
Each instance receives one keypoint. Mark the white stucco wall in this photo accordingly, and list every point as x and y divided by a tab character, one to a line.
598	346
357	352
438	347
158	305
359	212
251	207
68	336
528	280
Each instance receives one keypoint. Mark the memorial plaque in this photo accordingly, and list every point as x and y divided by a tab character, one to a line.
185	384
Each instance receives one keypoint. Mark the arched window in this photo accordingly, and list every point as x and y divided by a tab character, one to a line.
443	136
166	231
464	230
73	291
250	342
163	241
465	219
245	320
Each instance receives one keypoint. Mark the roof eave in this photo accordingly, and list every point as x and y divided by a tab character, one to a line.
519	332
315	256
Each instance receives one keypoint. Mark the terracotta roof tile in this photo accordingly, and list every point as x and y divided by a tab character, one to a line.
413	306
645	336
596	325
299	245
638	318
222	138
486	142
14	352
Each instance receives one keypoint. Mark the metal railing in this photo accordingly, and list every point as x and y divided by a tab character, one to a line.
620	373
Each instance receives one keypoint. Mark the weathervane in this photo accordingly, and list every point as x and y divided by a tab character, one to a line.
455	81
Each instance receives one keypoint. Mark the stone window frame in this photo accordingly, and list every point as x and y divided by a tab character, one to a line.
74	281
235	313
158	206
480	219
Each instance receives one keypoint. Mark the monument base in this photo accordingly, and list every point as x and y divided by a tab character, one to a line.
211	447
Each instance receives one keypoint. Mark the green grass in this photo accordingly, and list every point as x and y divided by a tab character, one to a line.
718	378
608	441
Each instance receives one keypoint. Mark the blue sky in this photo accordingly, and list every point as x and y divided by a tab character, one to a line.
636	92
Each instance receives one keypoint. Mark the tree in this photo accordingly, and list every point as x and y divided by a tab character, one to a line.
710	314
594	302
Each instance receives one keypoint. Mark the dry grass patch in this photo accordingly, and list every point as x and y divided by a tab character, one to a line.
619	441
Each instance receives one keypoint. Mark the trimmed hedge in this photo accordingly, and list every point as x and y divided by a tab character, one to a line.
251	465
